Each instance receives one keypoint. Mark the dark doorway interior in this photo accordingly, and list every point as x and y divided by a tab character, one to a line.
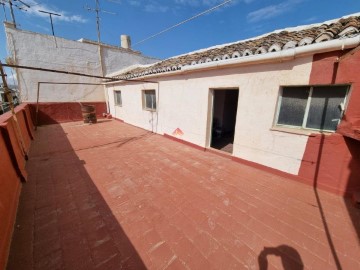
224	119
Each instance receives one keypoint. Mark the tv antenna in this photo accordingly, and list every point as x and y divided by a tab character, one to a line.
51	21
10	2
97	10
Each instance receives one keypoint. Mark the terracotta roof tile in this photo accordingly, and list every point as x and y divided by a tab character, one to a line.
273	42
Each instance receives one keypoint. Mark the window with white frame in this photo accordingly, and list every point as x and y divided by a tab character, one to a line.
117	98
149	100
311	107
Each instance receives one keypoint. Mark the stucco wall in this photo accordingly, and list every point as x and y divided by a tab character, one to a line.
183	102
332	161
132	108
114	60
38	50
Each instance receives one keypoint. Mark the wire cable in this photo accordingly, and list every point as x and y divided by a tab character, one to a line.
185	21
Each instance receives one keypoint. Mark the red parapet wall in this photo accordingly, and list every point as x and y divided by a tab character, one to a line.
9	197
15	142
61	112
332	161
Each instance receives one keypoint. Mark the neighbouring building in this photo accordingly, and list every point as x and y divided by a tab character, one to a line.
4	102
287	101
48	52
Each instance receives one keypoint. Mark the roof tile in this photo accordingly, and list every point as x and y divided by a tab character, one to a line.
269	43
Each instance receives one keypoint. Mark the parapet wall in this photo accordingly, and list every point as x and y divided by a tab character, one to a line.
61	112
15	140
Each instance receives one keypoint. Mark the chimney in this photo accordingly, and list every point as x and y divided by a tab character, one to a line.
125	41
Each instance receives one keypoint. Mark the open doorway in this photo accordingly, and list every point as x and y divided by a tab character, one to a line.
224	118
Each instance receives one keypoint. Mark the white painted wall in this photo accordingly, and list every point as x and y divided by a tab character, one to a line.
183	103
114	59
38	50
132	107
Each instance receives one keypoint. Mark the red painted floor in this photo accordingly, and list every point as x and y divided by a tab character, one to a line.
112	196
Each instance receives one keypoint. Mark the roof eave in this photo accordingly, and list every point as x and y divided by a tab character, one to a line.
280	56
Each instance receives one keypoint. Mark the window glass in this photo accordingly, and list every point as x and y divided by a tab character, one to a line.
118	100
150	99
325	110
293	106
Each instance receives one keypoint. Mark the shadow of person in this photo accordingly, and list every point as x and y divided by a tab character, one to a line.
290	258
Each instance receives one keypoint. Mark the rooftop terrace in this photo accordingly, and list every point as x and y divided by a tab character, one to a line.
112	196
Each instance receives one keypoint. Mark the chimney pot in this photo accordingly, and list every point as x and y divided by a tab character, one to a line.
125	41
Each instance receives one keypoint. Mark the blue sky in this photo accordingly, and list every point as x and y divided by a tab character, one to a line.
141	18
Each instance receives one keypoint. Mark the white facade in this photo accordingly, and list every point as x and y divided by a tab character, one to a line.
38	50
184	101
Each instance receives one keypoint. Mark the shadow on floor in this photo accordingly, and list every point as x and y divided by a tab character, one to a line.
290	258
319	204
63	220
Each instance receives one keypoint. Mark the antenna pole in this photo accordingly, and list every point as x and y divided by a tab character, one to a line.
12	13
12	10
97	9
51	21
52	25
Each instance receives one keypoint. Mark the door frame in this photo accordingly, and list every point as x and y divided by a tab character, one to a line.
209	124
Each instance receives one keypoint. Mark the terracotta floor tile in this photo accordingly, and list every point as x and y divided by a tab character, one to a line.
161	255
177	265
113	196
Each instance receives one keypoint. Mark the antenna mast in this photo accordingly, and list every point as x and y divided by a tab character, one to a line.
12	10
51	21
12	13
97	10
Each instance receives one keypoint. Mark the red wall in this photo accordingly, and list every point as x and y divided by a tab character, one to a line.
9	196
60	112
332	162
12	171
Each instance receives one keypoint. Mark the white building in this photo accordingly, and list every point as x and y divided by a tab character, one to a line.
44	51
268	101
